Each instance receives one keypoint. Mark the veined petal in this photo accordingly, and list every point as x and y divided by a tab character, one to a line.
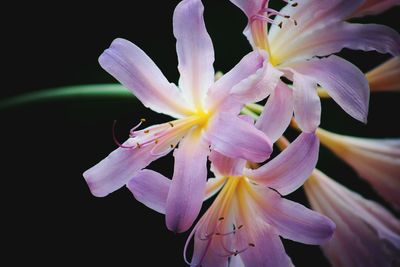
306	103
188	184
294	221
195	51
137	72
343	81
222	165
366	234
334	37
258	86
288	171
377	161
252	66
234	137
385	77
374	7
150	188
310	16
118	168
277	113
268	249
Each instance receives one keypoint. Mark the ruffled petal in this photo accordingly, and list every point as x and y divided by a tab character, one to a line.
306	103
234	137
375	7
385	77
195	51
277	113
252	67
188	184
118	168
343	81
288	171
294	221
150	188
137	72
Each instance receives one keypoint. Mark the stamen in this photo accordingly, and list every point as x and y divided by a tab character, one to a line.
115	138
132	131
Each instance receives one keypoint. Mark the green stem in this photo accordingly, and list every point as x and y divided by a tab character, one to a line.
77	91
246	111
256	108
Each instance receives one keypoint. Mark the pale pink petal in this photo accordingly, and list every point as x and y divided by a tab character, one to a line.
294	221
310	15
222	165
251	67
343	81
213	186
150	188
234	137
366	234
186	194
334	37
137	72
195	51
385	77
288	171
306	103
277	112
250	7
118	168
375	7
375	160
268	249
258	86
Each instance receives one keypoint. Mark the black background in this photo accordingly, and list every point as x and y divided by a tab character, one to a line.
48	215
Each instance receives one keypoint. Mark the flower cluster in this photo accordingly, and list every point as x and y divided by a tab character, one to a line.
292	65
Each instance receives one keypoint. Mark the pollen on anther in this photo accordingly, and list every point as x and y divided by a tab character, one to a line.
156	141
172	146
146	131
220	218
138	145
142	120
295	4
171	124
252	245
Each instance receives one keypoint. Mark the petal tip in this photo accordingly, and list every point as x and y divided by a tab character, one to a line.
93	186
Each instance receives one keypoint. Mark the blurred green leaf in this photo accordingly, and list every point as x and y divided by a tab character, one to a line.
68	92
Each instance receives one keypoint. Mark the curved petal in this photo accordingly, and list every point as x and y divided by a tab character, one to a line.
288	171
226	166
310	15
251	65
151	189
343	81
306	103
188	184
234	137
374	7
294	221
268	249
195	51
118	168
334	37
258	86
137	72
250	7
385	77
277	113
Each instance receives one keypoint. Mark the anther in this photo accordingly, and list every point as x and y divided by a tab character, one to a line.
146	131
132	131
252	245
220	218
171	124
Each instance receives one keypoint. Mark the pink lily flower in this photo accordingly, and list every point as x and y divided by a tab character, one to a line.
205	114
243	225
385	77
366	235
300	42
375	160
